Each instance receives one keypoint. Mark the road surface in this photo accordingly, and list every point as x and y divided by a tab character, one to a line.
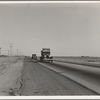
40	80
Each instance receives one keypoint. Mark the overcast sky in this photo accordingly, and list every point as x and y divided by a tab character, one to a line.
67	29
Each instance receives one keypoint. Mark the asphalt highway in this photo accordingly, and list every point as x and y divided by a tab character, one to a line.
87	76
39	79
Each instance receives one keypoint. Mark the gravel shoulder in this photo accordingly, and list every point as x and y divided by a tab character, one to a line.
10	75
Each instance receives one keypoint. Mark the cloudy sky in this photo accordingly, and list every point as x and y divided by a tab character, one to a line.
67	29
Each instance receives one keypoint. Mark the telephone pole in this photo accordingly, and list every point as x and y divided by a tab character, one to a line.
0	51
17	52
11	45
8	52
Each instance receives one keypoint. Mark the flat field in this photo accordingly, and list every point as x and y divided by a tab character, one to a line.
80	60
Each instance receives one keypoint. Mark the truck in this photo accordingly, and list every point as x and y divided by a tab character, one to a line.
45	55
34	57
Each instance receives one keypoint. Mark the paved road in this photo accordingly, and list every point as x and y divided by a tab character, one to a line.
84	75
39	80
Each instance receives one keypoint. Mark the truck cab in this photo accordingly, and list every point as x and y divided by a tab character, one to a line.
45	55
34	56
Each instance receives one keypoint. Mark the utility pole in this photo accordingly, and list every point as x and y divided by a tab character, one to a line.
8	52
11	45
13	53
0	51
17	52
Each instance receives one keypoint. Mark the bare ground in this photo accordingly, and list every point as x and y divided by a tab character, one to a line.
10	75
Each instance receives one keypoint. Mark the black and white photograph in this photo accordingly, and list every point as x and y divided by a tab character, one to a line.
49	49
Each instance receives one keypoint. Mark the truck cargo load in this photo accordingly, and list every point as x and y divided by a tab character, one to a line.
45	55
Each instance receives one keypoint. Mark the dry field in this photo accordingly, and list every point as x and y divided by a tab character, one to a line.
80	60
